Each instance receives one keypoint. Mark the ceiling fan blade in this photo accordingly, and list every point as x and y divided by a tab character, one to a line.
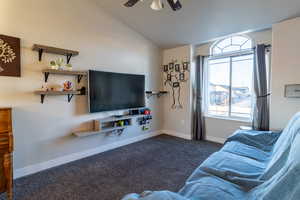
175	6
131	3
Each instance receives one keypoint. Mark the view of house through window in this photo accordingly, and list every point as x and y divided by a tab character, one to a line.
229	79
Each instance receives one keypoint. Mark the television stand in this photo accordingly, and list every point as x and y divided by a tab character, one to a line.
109	124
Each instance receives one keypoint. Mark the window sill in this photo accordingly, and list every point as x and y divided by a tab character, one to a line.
228	118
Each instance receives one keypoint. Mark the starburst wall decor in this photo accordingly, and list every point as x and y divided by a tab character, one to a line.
10	62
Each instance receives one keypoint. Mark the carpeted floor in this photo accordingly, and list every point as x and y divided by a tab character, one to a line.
160	163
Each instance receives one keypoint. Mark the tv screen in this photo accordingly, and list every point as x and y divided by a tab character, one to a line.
114	91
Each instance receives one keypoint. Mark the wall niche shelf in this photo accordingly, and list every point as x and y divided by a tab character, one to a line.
79	74
47	49
69	94
156	93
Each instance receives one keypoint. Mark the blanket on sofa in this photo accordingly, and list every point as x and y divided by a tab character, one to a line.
252	165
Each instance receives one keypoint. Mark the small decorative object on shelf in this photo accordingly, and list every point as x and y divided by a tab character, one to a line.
69	67
145	111
155	93
60	65
53	65
53	87
134	112
68	86
145	122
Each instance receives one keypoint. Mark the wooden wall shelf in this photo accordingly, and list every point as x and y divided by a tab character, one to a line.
70	94
79	74
47	49
155	93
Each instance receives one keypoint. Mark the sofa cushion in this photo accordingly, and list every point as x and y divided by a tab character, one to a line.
245	150
263	140
237	169
204	186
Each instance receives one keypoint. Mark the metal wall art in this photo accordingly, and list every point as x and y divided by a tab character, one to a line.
175	74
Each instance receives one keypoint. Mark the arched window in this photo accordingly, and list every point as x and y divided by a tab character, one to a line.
231	45
228	82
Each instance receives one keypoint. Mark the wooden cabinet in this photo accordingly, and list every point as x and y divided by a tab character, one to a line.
6	149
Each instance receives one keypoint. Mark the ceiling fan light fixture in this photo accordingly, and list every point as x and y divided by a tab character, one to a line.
157	5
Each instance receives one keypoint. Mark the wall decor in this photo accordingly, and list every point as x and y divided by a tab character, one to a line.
292	91
181	77
166	68
171	66
169	77
10	61
177	67
185	66
174	77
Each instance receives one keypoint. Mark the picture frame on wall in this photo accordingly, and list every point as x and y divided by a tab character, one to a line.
185	66
171	66
166	68
169	77
176	84
177	67
181	77
292	91
10	61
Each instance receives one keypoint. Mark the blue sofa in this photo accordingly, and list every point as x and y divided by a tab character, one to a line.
252	165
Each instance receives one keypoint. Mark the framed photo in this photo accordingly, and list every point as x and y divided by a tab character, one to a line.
10	61
181	76
185	66
169	77
177	67
166	68
171	66
176	84
292	91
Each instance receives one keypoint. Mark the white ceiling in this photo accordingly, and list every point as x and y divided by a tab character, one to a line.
201	20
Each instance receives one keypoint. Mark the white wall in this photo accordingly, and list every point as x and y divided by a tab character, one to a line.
178	121
42	131
285	70
219	129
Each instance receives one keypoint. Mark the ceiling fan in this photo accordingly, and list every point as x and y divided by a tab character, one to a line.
157	4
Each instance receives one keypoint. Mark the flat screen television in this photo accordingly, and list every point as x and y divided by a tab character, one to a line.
115	91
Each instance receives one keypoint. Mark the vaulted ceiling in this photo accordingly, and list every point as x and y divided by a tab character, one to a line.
201	20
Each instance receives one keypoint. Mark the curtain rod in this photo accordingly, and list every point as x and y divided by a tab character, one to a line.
254	48
266	46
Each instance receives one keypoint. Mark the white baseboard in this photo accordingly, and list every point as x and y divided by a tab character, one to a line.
31	169
216	139
176	134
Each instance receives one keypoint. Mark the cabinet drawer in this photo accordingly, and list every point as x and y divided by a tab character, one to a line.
5	120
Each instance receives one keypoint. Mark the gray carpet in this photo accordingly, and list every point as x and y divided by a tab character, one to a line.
160	163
